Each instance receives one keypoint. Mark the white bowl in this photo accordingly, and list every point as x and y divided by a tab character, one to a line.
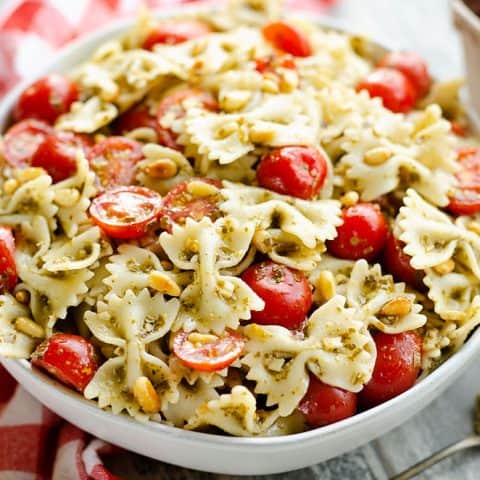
218	453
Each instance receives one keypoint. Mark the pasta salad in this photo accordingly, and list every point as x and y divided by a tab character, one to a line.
237	223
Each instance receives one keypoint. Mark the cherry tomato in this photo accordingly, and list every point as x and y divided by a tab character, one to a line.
413	66
126	212
465	200
208	353
179	204
362	235
324	404
172	33
296	171
287	38
46	99
272	62
392	86
459	129
137	117
396	367
22	140
69	358
286	293
8	268
57	154
114	160
172	103
397	263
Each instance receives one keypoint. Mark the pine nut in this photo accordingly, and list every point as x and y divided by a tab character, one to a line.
199	339
67	197
146	396
377	156
446	267
350	198
397	307
162	168
22	296
197	188
29	327
288	80
28	174
326	285
235	100
226	130
270	86
164	284
10	186
259	134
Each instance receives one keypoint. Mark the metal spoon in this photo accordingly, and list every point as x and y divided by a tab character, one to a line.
472	440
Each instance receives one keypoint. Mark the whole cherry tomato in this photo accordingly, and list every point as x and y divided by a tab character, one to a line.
362	235
287	38
324	404
396	367
69	358
286	293
392	86
8	268
296	171
208	353
413	66
126	212
22	140
46	99
172	33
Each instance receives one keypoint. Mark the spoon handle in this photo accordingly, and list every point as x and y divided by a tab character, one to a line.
468	442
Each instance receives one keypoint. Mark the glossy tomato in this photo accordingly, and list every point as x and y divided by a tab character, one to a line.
287	38
8	268
126	212
286	293
69	358
296	171
413	66
22	140
114	160
396	367
208	353
57	154
137	117
46	99
172	33
392	86
180	203
362	235
324	404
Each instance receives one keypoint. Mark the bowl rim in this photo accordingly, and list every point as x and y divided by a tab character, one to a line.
453	365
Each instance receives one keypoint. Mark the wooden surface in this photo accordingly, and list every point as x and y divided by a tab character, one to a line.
423	26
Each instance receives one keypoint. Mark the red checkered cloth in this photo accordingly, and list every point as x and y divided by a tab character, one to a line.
35	444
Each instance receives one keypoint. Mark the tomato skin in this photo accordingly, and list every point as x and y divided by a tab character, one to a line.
392	86
286	293
175	32
136	117
287	38
8	268
126	212
296	170
324	404
22	140
46	99
114	160
413	66
69	358
396	368
397	263
57	154
212	356
362	235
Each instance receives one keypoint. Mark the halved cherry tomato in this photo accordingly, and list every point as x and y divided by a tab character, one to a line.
465	200
287	38
114	160
172	33
208	353
126	212
413	66
286	293
172	104
57	154
137	117
362	235
69	358
397	263
324	404
272	62
179	204
392	86
396	367
297	171
46	99
22	140
8	268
